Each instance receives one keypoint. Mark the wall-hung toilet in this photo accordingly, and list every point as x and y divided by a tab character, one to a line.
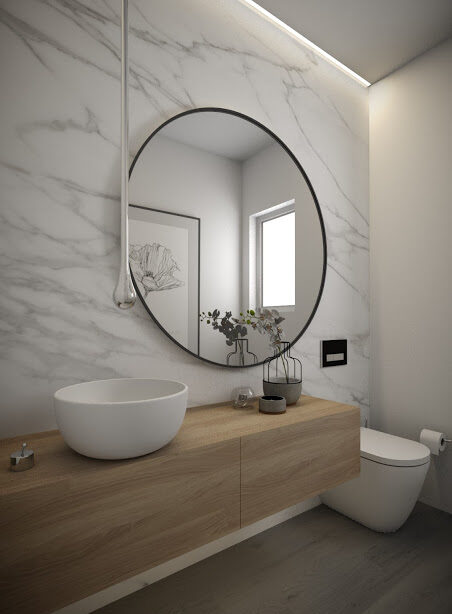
393	470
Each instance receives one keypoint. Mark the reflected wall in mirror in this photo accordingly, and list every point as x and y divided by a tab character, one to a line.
224	222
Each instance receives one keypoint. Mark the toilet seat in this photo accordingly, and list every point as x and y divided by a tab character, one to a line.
391	450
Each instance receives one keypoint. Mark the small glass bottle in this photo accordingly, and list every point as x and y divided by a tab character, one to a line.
243	396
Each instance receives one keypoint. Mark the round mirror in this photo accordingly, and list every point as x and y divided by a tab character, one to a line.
226	238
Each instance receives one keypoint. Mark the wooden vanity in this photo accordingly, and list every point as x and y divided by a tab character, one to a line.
73	526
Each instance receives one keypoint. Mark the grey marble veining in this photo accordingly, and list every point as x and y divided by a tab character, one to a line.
59	172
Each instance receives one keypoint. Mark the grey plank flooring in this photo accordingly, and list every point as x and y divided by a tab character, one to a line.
317	563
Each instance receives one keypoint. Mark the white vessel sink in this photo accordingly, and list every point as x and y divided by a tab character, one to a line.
120	418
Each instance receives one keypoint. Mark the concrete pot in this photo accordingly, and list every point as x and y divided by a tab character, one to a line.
272	405
291	390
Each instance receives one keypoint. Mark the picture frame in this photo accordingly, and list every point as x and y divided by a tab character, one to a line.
164	259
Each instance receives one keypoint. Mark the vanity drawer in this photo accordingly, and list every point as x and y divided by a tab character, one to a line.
70	539
284	466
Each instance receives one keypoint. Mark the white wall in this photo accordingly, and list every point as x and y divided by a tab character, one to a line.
59	174
176	177
271	178
411	294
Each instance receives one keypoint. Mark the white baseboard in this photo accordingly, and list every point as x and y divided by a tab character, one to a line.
117	591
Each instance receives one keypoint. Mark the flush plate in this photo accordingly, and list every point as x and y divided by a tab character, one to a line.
334	352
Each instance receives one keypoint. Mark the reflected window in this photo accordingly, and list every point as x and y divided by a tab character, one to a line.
276	256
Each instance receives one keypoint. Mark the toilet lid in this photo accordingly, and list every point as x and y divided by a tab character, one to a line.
391	450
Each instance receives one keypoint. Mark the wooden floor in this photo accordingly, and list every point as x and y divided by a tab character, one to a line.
318	563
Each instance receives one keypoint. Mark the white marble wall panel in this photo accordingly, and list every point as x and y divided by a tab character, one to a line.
59	174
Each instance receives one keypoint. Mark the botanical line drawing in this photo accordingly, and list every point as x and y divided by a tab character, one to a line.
153	267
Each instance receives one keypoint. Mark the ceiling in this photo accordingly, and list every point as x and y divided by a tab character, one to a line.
222	134
372	37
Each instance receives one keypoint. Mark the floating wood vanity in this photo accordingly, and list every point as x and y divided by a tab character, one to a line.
73	526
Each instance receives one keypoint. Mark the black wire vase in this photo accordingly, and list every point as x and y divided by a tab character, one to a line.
241	355
283	374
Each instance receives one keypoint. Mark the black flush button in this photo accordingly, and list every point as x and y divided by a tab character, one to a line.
334	352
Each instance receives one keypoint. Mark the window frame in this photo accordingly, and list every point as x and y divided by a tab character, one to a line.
281	210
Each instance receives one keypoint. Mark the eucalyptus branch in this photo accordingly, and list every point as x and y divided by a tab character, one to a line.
267	321
264	321
227	325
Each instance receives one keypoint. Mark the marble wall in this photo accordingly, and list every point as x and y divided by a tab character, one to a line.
59	166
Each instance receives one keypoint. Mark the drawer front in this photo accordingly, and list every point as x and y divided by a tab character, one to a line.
283	466
63	543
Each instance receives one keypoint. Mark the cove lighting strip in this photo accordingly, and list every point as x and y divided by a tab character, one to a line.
329	58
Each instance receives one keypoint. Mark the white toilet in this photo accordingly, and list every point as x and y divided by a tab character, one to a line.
393	470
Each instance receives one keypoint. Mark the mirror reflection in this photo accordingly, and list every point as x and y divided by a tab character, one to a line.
226	239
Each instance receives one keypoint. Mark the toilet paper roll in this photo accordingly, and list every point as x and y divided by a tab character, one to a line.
433	440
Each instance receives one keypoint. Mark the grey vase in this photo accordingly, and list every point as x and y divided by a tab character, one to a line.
290	390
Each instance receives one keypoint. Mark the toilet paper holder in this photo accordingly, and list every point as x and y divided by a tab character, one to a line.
444	439
434	440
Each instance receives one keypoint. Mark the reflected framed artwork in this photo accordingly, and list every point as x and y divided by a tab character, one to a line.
164	256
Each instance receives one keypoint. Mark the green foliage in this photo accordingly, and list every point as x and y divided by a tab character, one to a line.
264	321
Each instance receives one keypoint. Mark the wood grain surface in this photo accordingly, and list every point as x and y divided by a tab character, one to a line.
66	540
202	426
73	526
286	465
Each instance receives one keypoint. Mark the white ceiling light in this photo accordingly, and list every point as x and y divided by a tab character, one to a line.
306	42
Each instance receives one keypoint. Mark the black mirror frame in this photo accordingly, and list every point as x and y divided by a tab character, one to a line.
316	202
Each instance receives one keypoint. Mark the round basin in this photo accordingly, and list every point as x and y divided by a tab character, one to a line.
120	418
